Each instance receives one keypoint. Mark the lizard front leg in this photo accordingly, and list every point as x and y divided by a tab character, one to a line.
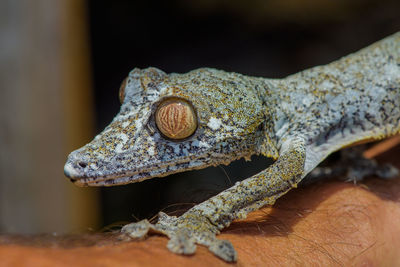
201	223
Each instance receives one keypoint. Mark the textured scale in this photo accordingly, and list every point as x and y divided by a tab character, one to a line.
298	120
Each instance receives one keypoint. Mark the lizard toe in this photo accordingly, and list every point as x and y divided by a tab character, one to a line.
387	171
136	230
223	249
181	242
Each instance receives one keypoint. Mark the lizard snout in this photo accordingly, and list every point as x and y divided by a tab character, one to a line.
74	170
78	166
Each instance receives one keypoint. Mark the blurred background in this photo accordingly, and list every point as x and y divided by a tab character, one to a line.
62	62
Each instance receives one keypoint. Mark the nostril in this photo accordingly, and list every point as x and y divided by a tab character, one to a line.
82	164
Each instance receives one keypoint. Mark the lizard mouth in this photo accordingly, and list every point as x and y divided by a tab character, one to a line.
113	179
109	181
145	172
139	174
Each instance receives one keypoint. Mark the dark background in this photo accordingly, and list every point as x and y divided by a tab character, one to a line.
259	38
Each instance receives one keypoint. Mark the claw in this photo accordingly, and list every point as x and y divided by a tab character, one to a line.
183	234
166	219
387	171
223	249
137	230
182	243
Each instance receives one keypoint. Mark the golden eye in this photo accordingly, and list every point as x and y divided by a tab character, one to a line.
176	118
122	91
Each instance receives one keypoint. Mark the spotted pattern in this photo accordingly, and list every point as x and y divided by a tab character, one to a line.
298	120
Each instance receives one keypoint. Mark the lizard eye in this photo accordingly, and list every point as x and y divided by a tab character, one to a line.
176	118
122	91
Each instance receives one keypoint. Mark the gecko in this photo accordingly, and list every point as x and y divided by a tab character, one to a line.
170	123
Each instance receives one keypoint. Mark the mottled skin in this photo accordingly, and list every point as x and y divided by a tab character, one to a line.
298	121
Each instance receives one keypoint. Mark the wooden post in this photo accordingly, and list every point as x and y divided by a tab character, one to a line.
45	112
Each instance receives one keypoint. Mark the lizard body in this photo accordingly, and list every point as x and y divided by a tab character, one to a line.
298	120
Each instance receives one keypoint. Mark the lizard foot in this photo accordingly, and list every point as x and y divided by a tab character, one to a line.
184	232
358	167
352	167
369	167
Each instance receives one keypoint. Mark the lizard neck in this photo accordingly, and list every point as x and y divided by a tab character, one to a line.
267	90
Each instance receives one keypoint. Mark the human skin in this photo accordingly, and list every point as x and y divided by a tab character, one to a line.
328	224
331	223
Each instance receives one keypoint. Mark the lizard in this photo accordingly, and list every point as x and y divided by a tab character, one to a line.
171	123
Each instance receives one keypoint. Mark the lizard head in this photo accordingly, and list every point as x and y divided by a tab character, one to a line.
171	123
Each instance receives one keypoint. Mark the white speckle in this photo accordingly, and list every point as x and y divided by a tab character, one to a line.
124	138
307	101
284	126
150	151
203	144
392	71
70	171
214	123
177	149
93	166
118	148
125	124
327	85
